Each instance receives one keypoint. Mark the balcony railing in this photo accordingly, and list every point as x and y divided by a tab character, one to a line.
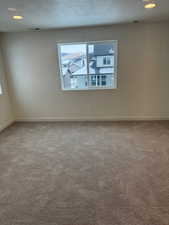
79	81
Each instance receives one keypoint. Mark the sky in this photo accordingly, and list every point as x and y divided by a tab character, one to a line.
73	48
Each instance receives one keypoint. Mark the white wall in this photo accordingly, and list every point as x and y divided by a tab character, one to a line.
143	74
6	116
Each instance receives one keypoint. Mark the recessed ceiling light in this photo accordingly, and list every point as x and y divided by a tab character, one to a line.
150	6
17	17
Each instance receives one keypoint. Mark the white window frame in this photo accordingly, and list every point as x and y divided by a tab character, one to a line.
1	88
114	42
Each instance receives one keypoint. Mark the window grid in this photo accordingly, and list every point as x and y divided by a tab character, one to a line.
100	79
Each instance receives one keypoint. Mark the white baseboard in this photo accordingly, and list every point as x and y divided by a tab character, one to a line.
83	119
6	124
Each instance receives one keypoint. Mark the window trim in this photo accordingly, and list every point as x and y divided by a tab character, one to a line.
115	42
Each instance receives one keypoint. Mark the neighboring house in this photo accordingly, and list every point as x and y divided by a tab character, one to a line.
73	68
103	56
73	62
102	60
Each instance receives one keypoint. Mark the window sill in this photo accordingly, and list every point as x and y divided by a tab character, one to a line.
91	89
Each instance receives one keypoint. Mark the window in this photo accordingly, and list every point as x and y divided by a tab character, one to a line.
85	66
107	60
103	80
0	89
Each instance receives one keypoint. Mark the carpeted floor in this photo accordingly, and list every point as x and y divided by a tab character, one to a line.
85	173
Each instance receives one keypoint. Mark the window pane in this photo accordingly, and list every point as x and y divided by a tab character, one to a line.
73	65
101	57
0	89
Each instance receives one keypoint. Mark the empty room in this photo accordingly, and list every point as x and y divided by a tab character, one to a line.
84	112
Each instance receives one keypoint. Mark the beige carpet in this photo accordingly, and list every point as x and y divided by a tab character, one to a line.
85	174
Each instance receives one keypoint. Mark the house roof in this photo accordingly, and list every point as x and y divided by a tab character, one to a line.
103	49
72	55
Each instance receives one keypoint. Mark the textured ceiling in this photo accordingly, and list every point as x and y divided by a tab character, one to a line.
47	14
